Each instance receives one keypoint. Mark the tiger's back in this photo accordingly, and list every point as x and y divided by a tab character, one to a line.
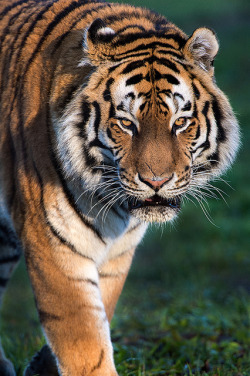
109	115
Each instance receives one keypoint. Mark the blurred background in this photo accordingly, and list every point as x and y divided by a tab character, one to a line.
185	309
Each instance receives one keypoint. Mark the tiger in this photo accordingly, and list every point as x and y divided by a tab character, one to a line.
110	117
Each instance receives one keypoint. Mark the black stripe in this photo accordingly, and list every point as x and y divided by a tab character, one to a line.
187	106
171	79
66	190
111	110
218	115
134	26
130	95
85	114
59	17
13	48
112	69
205	108
53	230
191	124
91	282
79	18
108	275
132	37
7	259
167	92
205	145
145	47
145	95
121	107
67	97
214	158
8	236
142	106
3	281
11	21
160	23
98	365
109	134
184	65
195	111
90	159
152	59
179	95
71	199
107	93
196	91
134	65
96	142
10	7
202	168
128	187
198	132
134	80
177	38
184	185
85	280
86	306
38	18
117	150
187	155
173	53
63	240
127	57
168	63
46	316
164	104
86	110
120	16
221	136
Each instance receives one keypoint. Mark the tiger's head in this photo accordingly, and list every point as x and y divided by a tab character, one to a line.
149	116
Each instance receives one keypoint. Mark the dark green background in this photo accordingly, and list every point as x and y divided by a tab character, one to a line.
186	307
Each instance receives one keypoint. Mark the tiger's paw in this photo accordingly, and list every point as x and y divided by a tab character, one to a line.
6	368
43	363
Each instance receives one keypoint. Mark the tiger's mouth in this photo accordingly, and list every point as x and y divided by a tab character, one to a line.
156	201
155	208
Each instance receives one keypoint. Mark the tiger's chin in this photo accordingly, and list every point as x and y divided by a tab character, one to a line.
155	209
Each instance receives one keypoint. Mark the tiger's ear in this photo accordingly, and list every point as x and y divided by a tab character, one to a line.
202	47
98	32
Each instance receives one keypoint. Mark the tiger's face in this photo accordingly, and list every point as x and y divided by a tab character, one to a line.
151	134
157	119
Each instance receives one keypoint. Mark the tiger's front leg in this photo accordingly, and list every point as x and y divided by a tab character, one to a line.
66	286
113	275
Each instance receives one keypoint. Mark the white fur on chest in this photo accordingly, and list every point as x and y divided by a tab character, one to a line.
109	236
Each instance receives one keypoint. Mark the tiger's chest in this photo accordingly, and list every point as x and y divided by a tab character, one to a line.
100	232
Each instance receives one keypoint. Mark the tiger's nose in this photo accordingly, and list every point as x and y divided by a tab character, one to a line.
156	182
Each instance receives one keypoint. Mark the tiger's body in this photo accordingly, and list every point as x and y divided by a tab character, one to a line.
109	115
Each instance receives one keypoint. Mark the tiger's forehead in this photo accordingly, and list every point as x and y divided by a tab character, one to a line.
137	93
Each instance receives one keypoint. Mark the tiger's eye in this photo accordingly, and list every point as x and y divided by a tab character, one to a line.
126	123
180	122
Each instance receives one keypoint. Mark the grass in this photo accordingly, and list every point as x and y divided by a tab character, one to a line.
185	309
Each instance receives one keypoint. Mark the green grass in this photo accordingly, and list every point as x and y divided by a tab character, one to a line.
185	309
